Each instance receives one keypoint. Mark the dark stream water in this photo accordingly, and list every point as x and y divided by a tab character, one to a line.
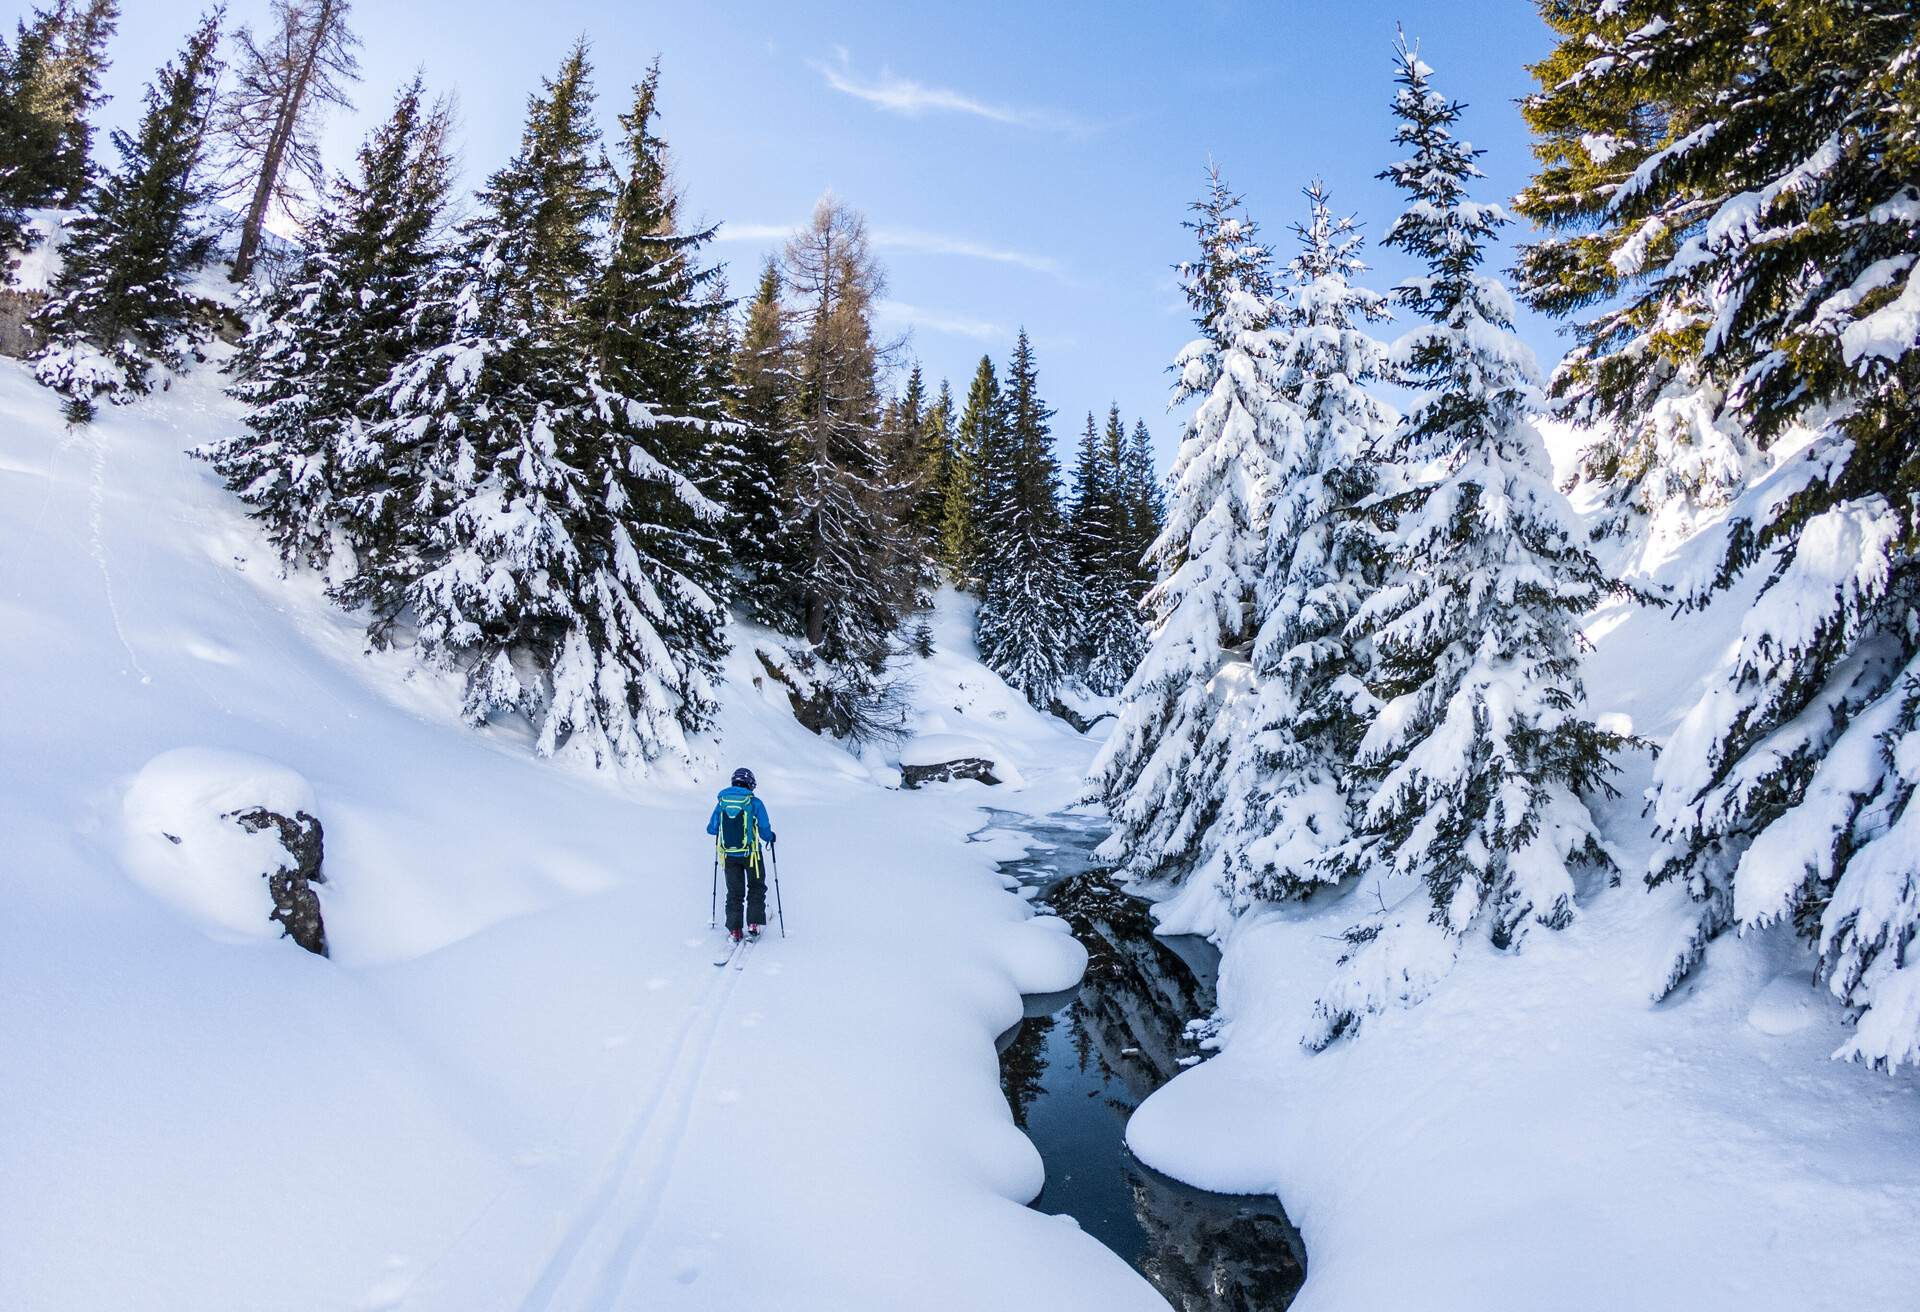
1080	1062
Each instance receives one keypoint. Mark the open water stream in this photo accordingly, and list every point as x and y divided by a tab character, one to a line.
1080	1062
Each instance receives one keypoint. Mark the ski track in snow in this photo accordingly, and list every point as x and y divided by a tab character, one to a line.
97	538
613	1197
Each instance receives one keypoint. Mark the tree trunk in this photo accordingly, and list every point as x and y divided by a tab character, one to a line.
285	123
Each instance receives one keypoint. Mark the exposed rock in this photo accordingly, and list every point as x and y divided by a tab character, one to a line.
296	905
1074	718
17	305
967	767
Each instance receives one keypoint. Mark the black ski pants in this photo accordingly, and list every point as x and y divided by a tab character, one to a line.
746	879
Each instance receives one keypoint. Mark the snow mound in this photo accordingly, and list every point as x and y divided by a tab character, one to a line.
179	840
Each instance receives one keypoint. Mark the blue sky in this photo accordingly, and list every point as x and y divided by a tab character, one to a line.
1019	163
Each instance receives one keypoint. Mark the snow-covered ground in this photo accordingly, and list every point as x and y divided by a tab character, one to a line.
1539	1134
520	1082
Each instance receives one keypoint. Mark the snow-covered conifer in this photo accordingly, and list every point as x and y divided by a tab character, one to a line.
1111	636
1289	793
1025	627
651	314
1771	193
763	380
119	305
326	336
524	562
1162	769
1479	756
979	442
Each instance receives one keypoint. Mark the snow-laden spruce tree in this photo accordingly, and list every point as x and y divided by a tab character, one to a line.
1161	772
325	337
1667	452
119	305
763	406
1111	637
979	444
1025	626
1775	185
652	314
523	560
1288	791
1478	756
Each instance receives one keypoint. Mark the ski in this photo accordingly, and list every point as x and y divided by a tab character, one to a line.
740	957
727	951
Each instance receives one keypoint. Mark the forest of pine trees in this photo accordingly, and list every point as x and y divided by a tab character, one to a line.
533	438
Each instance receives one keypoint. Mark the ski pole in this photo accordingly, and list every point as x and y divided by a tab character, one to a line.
713	898
773	850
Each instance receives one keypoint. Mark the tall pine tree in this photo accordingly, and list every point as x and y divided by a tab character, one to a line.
651	316
525	563
852	573
978	444
1111	636
764	385
119	305
1758	230
1289	792
1161	771
1025	627
1479	756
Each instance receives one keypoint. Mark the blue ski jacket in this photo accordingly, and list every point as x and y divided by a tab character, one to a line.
764	826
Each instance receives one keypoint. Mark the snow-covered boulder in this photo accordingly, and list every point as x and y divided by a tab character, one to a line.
202	828
944	757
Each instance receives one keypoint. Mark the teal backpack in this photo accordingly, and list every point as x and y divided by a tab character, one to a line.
739	831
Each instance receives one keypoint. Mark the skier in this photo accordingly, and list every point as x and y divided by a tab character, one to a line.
739	824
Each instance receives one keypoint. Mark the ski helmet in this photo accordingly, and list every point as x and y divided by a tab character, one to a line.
743	778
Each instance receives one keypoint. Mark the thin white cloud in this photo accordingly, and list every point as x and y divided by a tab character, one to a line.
934	243
730	231
939	321
902	95
907	239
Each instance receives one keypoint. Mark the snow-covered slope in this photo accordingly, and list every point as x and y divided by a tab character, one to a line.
520	1082
1539	1134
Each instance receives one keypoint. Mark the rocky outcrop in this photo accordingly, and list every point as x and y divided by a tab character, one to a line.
17	306
1081	722
967	767
296	903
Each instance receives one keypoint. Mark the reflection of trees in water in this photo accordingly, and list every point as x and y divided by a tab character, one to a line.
1202	1251
1023	1066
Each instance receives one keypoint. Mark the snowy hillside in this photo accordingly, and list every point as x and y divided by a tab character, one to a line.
519	1081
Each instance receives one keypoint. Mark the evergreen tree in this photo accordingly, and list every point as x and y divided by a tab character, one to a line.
328	336
1111	638
936	475
1025	628
49	87
1479	757
977	440
852	574
1289	793
652	319
1763	237
524	562
1668	451
764	385
120	305
1146	507
1162	769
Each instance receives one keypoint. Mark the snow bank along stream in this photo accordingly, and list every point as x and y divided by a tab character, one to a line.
1080	1061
